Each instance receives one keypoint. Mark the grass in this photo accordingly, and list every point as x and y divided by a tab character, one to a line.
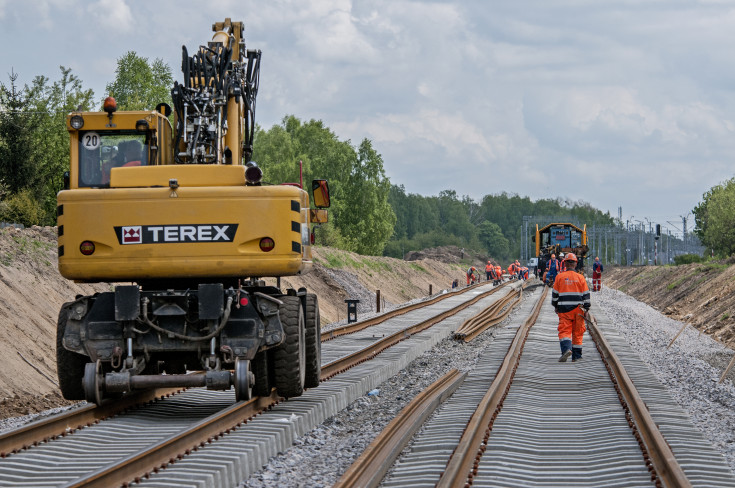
25	246
376	266
418	267
725	316
338	260
714	266
676	283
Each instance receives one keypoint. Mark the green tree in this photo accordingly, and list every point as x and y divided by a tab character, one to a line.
370	219
54	102
361	219
140	85
18	125
715	218
34	142
492	238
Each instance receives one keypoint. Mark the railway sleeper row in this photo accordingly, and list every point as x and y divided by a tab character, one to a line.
236	454
559	425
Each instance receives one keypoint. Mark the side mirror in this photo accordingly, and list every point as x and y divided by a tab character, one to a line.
320	190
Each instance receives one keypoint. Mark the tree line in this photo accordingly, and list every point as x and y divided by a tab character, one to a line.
369	215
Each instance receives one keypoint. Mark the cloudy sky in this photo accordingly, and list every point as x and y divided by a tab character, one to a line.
618	104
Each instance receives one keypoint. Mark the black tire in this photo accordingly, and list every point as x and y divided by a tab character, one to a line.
69	365
289	358
263	383
313	335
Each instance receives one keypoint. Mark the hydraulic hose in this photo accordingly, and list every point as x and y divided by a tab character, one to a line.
215	332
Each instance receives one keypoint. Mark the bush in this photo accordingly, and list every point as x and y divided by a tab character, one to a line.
22	208
688	259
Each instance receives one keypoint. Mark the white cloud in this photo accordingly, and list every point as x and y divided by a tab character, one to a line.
112	16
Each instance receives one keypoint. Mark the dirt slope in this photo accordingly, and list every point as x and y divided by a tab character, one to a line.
700	294
32	291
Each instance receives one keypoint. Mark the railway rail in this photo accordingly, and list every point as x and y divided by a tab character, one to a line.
148	439
545	430
532	421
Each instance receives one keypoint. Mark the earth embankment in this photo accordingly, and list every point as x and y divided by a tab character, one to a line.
702	294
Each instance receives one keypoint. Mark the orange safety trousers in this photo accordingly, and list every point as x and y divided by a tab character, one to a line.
571	326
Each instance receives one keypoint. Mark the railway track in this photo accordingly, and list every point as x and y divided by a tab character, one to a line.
521	418
187	431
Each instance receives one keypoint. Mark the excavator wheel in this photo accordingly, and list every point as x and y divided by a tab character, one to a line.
69	365
263	383
92	383
313	342
243	380
290	357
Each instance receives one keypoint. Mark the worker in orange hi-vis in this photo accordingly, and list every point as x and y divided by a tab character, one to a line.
472	275
571	300
511	270
498	275
597	275
488	270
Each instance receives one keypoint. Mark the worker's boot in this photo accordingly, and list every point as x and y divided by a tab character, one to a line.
576	353
566	350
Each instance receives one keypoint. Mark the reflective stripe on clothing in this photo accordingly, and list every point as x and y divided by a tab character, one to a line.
572	326
570	290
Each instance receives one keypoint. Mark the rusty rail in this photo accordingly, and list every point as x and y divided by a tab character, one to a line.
376	348
470	446
489	317
67	422
136	466
370	468
358	326
663	462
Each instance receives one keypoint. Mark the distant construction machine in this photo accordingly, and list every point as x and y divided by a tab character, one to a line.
182	219
557	238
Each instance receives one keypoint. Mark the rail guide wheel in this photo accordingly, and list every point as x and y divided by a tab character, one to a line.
243	380
92	382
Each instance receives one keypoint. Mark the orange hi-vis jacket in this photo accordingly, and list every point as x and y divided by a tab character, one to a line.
570	290
488	268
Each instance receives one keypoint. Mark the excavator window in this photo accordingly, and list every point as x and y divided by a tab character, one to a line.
100	152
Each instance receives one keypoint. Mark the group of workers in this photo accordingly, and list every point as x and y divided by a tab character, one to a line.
494	273
570	296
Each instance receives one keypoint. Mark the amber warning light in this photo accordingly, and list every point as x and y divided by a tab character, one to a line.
86	248
110	105
267	244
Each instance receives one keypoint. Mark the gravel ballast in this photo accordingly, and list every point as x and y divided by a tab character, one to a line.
689	369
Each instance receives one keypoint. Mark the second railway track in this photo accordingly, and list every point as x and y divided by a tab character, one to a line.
242	451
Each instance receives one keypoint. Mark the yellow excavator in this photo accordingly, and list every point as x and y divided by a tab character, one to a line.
557	238
180	220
